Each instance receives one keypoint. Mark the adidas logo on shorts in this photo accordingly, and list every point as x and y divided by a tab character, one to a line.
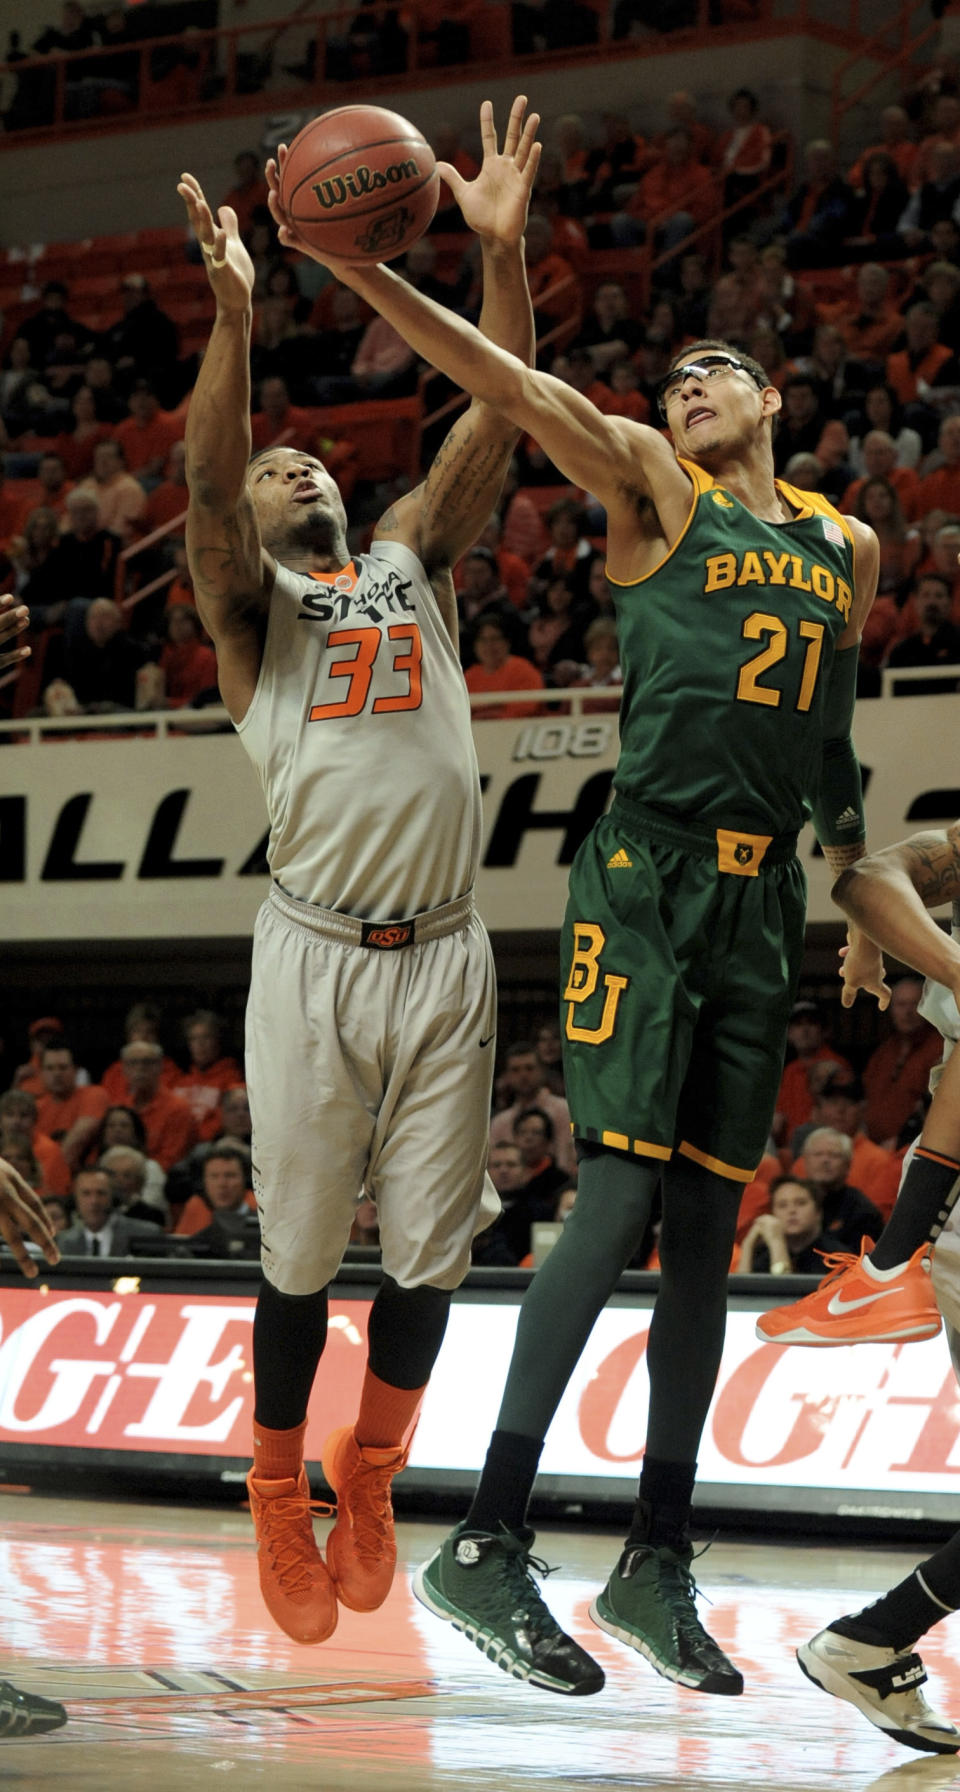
620	861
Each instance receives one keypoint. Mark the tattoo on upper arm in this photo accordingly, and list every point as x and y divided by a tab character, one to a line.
390	519
230	566
933	863
469	463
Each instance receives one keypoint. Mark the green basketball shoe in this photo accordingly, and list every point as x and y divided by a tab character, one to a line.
649	1604
26	1713
483	1584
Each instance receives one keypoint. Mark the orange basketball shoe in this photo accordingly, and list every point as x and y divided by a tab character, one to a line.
296	1586
361	1548
856	1304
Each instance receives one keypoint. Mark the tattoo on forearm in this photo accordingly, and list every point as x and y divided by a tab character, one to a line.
840	858
933	866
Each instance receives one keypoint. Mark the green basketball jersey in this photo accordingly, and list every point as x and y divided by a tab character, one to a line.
726	649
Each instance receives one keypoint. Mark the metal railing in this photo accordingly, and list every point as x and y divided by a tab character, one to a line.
128	600
234	69
169	724
890	50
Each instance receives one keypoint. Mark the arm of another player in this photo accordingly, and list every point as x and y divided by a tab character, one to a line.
444	516
22	1216
838	811
232	575
611	456
887	895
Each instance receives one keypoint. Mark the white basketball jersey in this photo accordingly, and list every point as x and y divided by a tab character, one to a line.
938	1006
360	732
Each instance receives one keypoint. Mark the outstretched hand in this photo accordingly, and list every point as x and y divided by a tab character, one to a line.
862	967
22	1216
229	267
495	204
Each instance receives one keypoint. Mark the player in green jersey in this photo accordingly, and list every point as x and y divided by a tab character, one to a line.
740	605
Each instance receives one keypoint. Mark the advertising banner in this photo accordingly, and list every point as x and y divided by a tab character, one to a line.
133	838
166	1375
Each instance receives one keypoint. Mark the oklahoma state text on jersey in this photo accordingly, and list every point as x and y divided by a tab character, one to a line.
360	732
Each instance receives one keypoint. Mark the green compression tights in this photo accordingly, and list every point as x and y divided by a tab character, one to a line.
614	1198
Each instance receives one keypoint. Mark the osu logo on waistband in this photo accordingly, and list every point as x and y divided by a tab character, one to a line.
387	938
743	853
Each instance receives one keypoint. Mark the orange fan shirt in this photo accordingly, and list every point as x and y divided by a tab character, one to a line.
198	1213
144	442
114	1080
202	1089
166	501
905	483
56	1117
794	1099
52	1165
170	1127
515	674
939	491
904	377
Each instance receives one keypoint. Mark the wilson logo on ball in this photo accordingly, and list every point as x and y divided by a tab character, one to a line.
338	188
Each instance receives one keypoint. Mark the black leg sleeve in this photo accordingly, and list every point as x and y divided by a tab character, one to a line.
405	1332
289	1333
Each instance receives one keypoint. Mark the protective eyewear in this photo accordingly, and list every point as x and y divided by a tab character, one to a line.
706	370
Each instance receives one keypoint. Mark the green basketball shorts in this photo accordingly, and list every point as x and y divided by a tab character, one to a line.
679	955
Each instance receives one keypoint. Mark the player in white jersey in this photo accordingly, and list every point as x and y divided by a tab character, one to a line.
373	1002
22	1217
869	1657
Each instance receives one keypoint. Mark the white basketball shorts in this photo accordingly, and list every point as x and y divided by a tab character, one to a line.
369	1070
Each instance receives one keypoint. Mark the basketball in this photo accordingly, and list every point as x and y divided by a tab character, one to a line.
360	183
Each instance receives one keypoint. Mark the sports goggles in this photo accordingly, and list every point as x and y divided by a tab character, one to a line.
706	370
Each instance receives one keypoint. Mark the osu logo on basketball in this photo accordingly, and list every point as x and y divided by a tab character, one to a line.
386	233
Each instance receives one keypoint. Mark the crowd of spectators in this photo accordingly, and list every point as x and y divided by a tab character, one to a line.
105	73
846	289
151	1154
829	1176
151	1158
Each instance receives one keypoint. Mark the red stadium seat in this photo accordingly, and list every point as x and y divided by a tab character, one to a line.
490	39
66	261
88	289
386	432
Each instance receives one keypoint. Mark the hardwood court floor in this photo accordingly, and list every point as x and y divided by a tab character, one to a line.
147	1622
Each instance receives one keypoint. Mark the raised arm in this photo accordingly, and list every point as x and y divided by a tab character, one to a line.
611	456
232	575
838	811
888	893
444	516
